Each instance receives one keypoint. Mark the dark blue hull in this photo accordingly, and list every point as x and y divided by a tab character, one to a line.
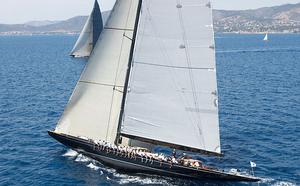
139	165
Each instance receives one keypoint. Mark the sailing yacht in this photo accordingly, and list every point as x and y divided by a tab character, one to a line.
266	38
90	34
151	80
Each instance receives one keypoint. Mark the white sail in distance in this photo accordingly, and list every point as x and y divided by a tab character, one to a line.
266	38
90	34
172	92
94	107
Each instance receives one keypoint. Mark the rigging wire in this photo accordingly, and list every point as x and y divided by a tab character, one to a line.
192	79
168	59
147	27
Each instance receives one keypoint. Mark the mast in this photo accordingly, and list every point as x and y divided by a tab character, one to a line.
128	69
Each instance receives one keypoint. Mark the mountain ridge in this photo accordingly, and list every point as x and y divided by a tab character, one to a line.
73	25
40	23
280	19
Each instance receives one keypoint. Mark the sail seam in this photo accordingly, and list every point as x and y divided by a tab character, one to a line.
121	29
170	66
103	84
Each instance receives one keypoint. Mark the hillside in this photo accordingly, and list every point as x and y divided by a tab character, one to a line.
71	26
40	23
284	18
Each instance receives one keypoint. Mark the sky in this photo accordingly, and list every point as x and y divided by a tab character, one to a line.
21	11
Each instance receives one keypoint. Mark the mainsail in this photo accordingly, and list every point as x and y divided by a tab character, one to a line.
172	93
94	107
90	34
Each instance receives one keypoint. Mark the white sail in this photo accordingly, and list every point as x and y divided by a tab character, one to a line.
266	38
172	94
94	107
90	34
84	44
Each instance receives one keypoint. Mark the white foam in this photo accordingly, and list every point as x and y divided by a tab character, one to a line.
82	158
284	183
126	179
266	180
273	182
143	181
129	180
70	153
123	178
92	166
120	175
109	170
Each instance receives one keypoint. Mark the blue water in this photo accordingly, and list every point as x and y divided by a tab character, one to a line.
259	90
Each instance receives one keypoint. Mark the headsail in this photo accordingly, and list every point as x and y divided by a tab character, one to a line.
90	34
94	107
172	94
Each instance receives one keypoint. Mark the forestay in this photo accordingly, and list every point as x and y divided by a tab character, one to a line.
90	34
172	94
94	107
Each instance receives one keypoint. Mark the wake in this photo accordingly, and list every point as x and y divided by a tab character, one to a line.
111	175
262	50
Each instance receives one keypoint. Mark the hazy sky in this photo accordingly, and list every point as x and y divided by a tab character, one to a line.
20	11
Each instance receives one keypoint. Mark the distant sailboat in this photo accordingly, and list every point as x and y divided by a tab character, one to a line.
266	38
90	34
150	79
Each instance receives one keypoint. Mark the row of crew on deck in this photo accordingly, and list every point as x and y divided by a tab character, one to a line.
146	156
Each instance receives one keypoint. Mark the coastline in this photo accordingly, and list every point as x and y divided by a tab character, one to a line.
257	33
77	33
38	33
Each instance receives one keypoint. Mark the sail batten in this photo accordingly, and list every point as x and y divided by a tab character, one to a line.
172	94
173	66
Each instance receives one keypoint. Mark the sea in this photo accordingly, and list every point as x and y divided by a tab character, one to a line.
259	99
